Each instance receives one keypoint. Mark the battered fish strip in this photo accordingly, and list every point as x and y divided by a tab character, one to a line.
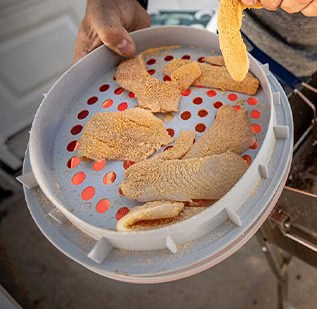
151	93
151	211
230	131
133	135
207	178
231	43
216	77
182	145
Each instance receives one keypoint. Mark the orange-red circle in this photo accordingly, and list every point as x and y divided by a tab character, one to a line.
131	94
186	93
256	128
151	61
171	132
211	93
97	166
88	193
83	114
200	127
255	145
73	162
218	104
122	212
232	97
256	114
122	106
104	88
109	178
186	115
76	129
247	158
72	146
127	164
107	103
92	100
252	101
198	100
203	113
119	90
236	107
102	206
78	178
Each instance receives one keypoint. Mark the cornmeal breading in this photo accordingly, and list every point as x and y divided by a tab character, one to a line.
230	131
205	178
133	134
231	43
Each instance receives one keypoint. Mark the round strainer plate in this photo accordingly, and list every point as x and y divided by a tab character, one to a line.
87	193
90	190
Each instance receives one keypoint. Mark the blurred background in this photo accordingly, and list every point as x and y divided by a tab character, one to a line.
36	47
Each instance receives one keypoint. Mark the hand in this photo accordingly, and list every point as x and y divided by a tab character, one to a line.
307	7
108	22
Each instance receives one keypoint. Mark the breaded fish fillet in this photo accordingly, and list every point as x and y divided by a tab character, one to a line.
231	43
151	93
182	145
216	77
206	178
151	211
230	131
133	134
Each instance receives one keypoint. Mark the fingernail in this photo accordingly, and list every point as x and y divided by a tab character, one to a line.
126	47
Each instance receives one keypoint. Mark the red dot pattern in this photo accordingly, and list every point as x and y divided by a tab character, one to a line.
107	103
252	101
232	97
92	100
76	129
151	61
78	178
211	93
186	57
119	90
88	193
104	88
256	128
98	166
171	132
122	106
72	146
186	93
186	115
200	127
166	78
109	178
169	58
218	104
122	212
73	162
198	100
102	206
83	114
203	113
200	59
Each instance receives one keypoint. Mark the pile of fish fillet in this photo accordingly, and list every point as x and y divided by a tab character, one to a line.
172	183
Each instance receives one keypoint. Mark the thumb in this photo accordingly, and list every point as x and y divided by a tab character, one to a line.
117	38
249	2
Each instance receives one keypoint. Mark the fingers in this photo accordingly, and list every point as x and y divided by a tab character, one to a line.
311	9
86	42
294	6
271	4
249	2
117	38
